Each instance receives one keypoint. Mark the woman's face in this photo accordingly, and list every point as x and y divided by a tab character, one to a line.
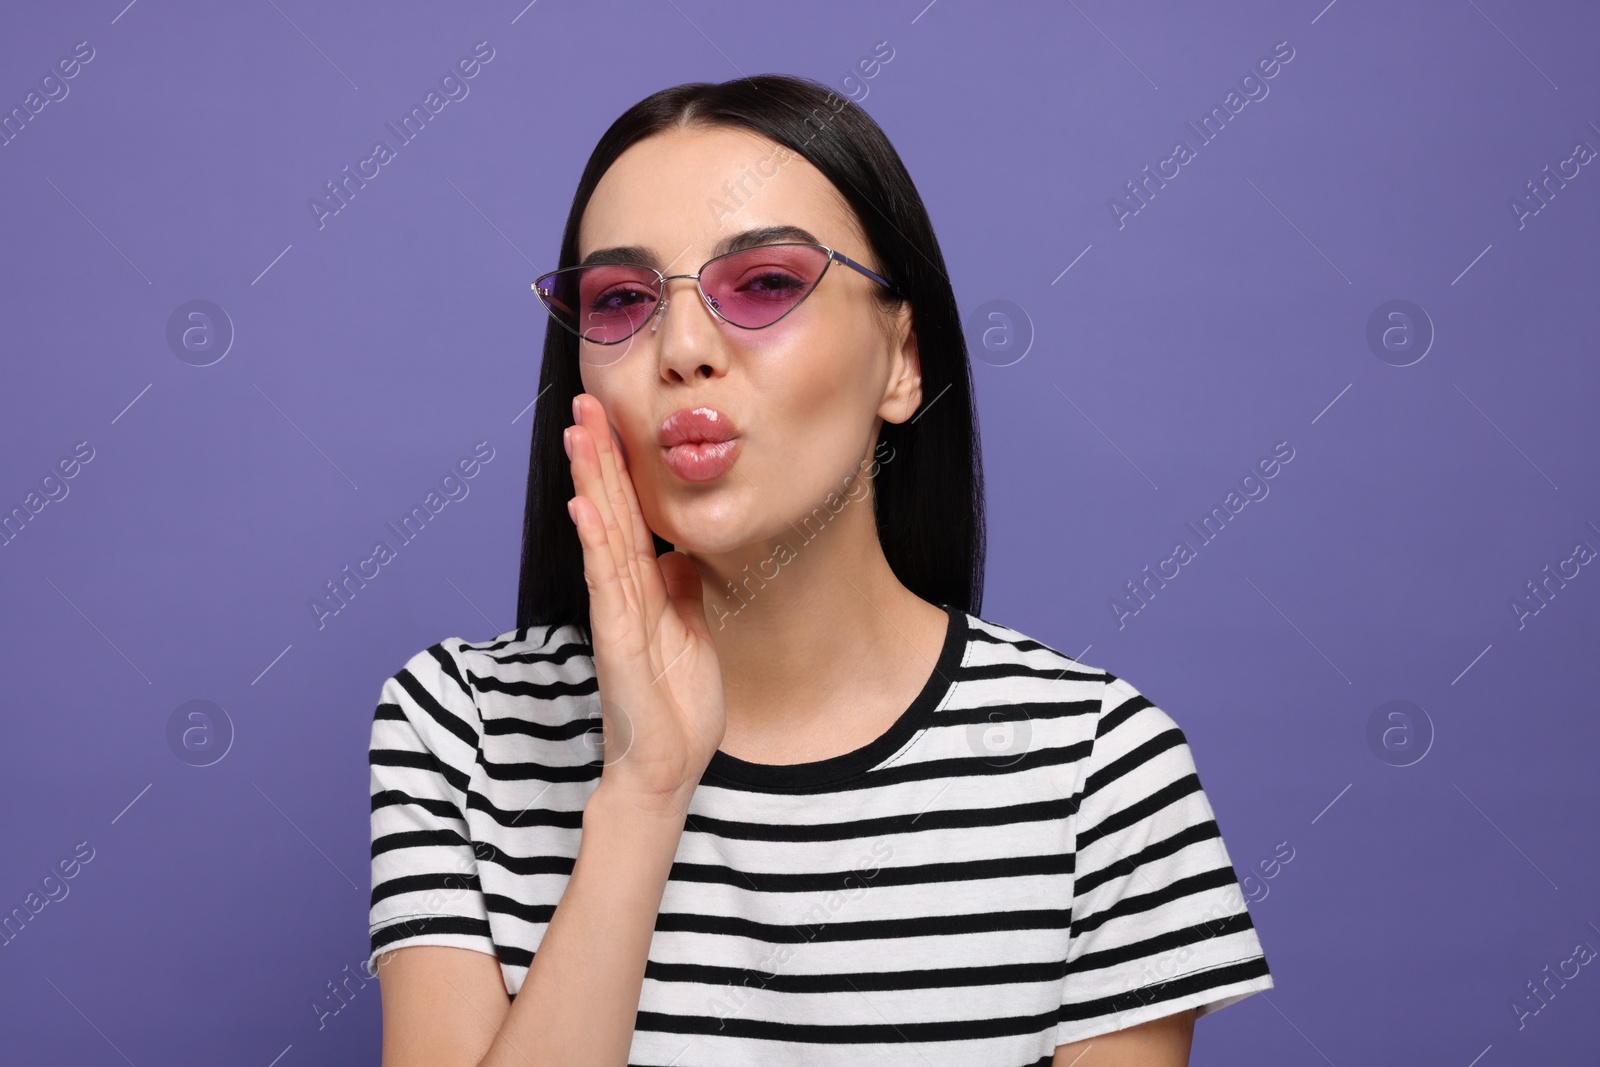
804	395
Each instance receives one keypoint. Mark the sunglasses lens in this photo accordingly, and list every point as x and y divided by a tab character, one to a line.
604	304
758	286
608	304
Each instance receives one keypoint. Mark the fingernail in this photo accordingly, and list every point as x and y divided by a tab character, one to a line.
571	512
566	441
575	416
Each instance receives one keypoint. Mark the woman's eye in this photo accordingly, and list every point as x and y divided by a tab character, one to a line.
619	298
774	280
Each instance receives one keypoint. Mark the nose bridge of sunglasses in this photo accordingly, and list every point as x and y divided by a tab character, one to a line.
660	312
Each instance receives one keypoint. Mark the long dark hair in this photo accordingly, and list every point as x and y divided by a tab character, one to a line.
929	496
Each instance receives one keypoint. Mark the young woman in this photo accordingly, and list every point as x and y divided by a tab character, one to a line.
751	783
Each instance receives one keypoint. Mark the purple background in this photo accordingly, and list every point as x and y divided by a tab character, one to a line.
1230	313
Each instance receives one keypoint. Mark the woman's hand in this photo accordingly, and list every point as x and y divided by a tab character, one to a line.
661	701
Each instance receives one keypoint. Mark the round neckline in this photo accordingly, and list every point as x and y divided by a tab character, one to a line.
780	777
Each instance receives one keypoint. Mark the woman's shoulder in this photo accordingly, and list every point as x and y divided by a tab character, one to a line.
997	649
535	652
447	686
1000	651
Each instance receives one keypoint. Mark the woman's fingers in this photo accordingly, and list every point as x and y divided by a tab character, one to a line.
607	598
653	586
608	579
589	476
611	473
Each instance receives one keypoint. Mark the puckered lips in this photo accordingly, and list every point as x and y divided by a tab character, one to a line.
698	444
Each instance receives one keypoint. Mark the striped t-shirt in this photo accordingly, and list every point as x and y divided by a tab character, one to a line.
1024	859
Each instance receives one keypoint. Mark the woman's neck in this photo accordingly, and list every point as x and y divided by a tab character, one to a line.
820	644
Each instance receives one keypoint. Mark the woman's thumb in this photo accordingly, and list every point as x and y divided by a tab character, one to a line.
684	589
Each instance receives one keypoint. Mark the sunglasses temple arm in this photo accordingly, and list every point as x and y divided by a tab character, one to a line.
847	261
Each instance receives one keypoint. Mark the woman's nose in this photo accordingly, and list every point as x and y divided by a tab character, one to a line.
692	346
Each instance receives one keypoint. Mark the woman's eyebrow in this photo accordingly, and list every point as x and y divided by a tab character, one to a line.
761	235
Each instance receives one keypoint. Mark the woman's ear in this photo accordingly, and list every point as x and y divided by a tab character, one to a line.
903	395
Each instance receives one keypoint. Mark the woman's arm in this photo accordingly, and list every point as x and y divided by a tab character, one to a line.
1162	1042
661	702
448	1007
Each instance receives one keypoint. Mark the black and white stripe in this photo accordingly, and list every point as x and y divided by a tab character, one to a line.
1025	858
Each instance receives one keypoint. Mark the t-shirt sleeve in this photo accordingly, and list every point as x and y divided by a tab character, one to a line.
425	888
1159	921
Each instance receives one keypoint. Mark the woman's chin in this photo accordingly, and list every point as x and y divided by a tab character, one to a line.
702	527
699	542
